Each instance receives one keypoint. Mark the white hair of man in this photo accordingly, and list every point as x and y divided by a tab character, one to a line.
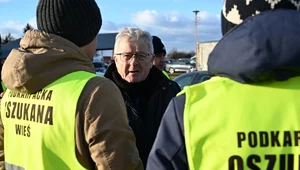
135	35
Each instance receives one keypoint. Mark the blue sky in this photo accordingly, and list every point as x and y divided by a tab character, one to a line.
171	20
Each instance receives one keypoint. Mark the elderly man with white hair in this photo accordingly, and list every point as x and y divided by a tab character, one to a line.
145	89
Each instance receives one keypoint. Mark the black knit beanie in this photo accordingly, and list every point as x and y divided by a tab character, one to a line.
78	21
158	46
236	11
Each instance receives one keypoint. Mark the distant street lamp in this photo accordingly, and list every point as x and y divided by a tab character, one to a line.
196	38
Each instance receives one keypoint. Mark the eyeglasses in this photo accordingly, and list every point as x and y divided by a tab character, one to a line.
126	57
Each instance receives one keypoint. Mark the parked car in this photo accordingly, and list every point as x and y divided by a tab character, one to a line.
180	66
188	60
167	61
193	59
100	67
192	78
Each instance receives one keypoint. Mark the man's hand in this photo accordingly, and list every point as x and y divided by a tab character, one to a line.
1	95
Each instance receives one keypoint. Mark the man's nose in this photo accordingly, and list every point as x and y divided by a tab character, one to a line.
134	60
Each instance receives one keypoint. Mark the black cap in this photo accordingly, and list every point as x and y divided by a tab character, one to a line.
236	11
79	21
158	45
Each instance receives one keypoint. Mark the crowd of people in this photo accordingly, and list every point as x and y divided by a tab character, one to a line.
56	113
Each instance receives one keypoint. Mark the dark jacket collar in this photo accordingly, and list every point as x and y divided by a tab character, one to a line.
264	47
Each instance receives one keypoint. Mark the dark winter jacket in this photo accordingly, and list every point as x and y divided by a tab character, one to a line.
263	48
146	103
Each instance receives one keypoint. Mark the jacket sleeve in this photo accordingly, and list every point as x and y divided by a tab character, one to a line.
110	140
168	151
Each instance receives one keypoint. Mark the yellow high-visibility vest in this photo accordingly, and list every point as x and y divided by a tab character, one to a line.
39	129
166	74
234	126
3	86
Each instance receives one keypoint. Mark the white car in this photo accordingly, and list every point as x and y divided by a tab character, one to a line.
180	66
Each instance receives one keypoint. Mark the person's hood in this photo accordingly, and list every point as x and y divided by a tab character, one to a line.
41	59
263	47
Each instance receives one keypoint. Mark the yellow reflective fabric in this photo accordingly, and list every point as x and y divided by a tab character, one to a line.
233	126
39	129
3	86
166	74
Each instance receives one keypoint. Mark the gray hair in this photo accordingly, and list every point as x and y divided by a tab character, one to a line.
134	35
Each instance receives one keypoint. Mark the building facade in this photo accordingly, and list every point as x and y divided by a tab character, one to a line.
202	54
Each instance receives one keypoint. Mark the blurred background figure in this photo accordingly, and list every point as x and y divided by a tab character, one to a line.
2	87
2	60
159	55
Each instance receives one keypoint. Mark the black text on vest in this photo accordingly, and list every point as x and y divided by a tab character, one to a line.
249	143
26	109
29	112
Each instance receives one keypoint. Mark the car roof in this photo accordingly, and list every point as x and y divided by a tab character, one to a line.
194	72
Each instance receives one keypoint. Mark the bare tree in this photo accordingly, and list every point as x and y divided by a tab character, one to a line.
174	54
27	27
8	38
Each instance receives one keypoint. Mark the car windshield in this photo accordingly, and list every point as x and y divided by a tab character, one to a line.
181	62
191	78
185	79
200	78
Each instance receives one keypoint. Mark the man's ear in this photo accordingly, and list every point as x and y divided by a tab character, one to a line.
152	58
115	57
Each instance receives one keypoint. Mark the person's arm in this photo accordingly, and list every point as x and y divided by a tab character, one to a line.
168	151
110	140
176	87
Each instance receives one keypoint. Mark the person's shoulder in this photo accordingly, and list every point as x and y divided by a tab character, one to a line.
173	85
171	82
100	95
99	84
100	81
